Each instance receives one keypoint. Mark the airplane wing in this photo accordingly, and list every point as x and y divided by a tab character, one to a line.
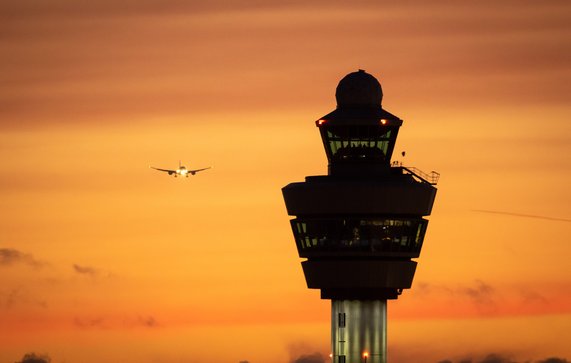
165	170
197	170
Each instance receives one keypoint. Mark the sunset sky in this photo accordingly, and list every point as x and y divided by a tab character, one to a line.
105	260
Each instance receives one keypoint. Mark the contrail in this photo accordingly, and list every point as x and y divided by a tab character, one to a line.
522	215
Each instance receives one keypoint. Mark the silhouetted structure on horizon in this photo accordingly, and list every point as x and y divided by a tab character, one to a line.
360	226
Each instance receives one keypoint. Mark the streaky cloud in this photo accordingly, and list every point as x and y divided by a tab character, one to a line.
480	292
90	323
116	322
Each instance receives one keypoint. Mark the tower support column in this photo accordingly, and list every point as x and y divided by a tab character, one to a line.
359	331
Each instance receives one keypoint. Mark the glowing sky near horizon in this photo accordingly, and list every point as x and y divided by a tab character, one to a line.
104	259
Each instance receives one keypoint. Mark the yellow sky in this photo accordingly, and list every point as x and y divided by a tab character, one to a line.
104	259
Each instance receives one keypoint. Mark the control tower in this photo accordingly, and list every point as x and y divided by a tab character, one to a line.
360	226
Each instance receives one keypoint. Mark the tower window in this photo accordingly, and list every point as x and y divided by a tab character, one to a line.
344	143
371	235
341	319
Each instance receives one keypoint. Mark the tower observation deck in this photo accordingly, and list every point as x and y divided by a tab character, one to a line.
360	226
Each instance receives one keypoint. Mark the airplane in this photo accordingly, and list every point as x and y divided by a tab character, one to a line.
182	171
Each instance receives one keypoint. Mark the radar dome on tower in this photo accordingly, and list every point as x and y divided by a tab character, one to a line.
359	89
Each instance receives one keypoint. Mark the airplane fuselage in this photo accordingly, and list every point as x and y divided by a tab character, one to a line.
182	171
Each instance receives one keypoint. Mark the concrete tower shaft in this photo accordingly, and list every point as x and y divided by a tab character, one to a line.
359	326
360	226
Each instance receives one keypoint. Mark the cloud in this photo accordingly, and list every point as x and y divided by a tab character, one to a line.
404	354
497	358
114	322
54	8
310	358
494	358
483	295
19	296
35	358
10	256
488	358
90	323
532	297
132	57
298	353
91	271
147	321
481	298
85	270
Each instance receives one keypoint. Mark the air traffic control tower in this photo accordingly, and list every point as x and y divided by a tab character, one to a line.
360	226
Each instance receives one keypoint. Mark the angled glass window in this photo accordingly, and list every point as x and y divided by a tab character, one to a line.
359	142
367	235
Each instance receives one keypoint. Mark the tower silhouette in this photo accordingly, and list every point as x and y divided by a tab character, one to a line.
360	226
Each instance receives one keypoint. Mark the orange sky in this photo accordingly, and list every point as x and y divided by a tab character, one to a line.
105	260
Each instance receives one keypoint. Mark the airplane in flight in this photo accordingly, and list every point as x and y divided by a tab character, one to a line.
182	170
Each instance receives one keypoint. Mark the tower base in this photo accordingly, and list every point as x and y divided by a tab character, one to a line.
359	331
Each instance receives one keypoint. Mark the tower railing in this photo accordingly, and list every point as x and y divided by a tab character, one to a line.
430	178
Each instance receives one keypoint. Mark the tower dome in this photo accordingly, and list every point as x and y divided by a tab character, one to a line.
359	89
